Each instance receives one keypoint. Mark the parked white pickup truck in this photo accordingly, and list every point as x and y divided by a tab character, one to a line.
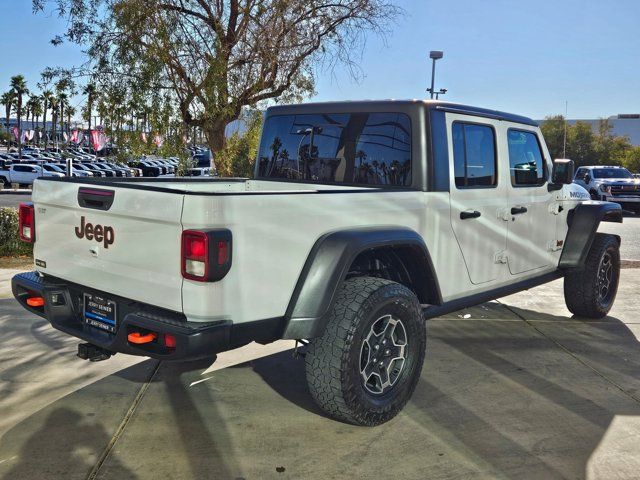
362	220
611	183
25	173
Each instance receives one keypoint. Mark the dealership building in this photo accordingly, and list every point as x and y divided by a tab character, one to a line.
623	124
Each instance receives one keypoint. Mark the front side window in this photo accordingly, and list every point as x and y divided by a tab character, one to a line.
349	148
474	155
526	163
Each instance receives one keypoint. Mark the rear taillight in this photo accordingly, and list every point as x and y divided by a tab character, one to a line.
27	222
195	255
206	254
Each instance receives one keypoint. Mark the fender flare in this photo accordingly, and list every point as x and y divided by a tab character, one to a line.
583	224
327	267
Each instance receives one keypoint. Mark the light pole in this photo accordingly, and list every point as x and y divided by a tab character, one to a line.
434	55
442	91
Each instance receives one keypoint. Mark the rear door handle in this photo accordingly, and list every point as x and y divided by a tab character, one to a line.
465	215
518	210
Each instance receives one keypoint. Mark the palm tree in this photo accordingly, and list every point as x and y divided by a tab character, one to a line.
53	104
70	111
47	95
63	102
19	86
36	110
7	100
90	91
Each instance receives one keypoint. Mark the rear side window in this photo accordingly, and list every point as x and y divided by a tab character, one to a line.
526	163
474	155
348	148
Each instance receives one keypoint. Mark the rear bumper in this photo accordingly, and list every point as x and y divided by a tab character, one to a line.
63	309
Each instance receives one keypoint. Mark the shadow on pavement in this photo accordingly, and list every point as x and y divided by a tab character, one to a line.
66	437
497	399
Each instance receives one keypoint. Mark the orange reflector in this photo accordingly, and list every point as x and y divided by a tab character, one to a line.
139	338
35	301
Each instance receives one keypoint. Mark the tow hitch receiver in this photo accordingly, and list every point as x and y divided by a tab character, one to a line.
93	353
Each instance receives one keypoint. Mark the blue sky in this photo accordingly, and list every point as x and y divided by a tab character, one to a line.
519	56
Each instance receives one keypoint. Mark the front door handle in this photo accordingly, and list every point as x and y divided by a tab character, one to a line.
518	210
465	215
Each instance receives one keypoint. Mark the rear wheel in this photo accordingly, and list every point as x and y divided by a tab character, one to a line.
591	291
365	366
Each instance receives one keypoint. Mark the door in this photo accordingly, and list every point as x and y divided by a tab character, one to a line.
19	174
532	223
477	196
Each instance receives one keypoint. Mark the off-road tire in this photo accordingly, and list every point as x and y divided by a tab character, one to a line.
583	287
333	360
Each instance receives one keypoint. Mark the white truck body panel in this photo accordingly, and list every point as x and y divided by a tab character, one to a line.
143	263
274	227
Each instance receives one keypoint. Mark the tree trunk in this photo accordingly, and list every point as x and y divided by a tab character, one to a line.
215	140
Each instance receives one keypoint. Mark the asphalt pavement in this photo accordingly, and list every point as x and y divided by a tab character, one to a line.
510	389
9	198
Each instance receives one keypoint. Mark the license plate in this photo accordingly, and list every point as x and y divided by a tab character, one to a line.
100	312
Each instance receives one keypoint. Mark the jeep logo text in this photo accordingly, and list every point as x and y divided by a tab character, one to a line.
99	233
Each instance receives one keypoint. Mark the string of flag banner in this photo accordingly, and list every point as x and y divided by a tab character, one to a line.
97	138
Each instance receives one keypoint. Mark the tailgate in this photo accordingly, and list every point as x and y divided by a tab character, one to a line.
132	249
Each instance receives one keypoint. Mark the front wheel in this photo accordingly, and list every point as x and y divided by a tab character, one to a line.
591	291
365	366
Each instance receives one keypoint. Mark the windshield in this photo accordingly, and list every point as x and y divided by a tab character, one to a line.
349	148
611	173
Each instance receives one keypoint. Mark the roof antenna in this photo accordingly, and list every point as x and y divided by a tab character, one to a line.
566	113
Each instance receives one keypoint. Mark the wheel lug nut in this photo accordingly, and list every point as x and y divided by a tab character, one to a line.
387	351
377	347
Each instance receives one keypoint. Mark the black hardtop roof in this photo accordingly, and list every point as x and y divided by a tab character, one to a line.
389	105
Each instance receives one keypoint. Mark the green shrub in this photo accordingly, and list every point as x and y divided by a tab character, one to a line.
10	243
238	156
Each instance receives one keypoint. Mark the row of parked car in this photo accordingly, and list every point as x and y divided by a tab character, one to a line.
31	164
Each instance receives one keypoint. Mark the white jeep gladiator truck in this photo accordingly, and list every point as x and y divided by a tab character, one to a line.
362	220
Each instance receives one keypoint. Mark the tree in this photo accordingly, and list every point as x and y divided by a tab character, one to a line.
220	57
36	109
631	159
70	111
583	145
63	101
55	110
19	87
7	99
580	144
47	96
237	158
90	91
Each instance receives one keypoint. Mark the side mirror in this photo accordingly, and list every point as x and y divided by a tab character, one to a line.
563	171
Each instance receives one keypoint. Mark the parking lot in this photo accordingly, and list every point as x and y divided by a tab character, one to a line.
510	389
